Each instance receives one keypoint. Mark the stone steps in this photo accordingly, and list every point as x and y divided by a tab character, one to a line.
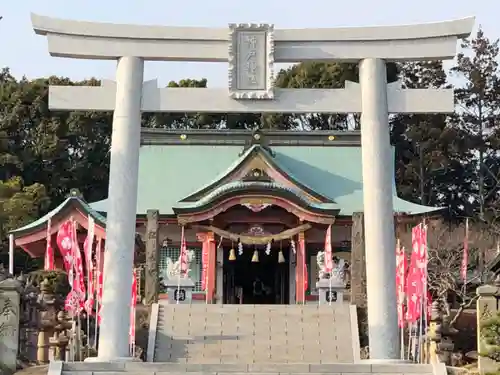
253	334
233	369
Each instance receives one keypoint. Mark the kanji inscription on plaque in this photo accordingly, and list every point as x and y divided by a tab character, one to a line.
251	60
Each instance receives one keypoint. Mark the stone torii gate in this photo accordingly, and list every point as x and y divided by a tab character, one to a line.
251	50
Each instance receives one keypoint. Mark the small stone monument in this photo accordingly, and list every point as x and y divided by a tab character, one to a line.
486	308
180	290
332	290
10	301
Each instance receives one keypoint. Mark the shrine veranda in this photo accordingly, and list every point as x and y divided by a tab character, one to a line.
255	188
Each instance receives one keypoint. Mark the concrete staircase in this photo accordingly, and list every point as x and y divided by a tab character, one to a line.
256	334
203	339
141	368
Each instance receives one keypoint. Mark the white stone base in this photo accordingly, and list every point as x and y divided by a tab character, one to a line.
111	360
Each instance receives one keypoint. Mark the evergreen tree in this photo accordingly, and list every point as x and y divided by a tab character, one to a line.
429	151
478	110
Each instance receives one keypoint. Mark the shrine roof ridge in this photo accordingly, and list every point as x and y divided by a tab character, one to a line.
321	138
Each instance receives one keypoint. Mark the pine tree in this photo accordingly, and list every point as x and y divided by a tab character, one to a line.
428	150
478	102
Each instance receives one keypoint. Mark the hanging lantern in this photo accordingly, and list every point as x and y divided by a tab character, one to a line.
232	255
255	257
240	248
281	257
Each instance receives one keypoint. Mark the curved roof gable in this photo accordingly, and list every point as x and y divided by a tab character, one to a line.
68	205
239	168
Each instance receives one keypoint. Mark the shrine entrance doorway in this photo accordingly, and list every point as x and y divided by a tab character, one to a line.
256	276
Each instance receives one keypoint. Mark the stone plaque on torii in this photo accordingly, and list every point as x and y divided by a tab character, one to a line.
251	51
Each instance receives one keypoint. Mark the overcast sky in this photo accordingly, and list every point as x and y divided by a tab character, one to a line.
26	53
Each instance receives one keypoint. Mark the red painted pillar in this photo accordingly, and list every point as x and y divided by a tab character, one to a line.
208	248
212	268
300	276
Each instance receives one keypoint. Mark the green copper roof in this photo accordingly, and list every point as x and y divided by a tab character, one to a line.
246	155
170	172
68	204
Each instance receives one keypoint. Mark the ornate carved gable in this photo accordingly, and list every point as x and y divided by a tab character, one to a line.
257	164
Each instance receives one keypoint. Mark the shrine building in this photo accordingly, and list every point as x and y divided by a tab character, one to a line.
249	204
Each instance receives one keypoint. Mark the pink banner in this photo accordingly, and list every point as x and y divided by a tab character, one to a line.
89	262
401	266
100	279
49	252
417	277
465	259
133	303
77	301
328	250
183	261
204	265
68	243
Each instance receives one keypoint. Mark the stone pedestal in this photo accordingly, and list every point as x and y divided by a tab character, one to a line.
330	292
180	292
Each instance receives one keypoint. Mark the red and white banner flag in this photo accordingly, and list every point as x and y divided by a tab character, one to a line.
49	252
100	278
66	238
328	250
89	262
68	246
465	259
64	242
133	303
423	257
305	274
401	267
204	264
75	301
417	275
183	261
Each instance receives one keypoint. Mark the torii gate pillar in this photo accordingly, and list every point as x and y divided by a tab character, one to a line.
121	215
378	210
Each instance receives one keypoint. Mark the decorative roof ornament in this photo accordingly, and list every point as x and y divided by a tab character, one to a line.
75	193
258	138
257	175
